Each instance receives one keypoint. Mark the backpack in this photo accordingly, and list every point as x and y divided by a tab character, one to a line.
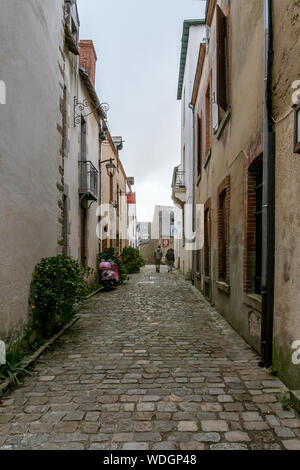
158	254
170	255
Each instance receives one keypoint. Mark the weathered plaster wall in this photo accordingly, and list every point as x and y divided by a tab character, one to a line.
30	37
196	35
245	72
107	152
76	88
147	250
287	236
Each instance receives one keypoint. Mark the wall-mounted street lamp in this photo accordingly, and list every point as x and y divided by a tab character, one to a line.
297	129
110	167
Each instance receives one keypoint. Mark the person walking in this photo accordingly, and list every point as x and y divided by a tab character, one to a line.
170	257
157	258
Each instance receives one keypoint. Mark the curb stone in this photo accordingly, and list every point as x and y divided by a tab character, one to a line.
5	386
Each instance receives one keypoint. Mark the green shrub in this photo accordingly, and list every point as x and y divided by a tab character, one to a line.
14	359
58	283
132	260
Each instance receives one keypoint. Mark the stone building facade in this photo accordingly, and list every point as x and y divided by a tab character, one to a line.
193	33
230	171
31	175
53	129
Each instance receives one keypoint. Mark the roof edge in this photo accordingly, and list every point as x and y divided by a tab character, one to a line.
185	40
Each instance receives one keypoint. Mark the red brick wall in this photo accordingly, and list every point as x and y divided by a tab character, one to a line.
88	58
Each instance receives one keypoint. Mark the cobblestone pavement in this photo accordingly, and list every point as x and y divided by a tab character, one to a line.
148	366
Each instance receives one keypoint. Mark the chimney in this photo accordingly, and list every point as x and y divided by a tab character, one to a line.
88	58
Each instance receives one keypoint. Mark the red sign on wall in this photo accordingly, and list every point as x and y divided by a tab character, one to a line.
131	198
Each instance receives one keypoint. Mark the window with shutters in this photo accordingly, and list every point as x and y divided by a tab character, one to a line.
207	236
111	188
253	227
199	146
219	94
223	230
208	131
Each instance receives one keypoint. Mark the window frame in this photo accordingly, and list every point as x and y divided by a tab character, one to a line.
296	136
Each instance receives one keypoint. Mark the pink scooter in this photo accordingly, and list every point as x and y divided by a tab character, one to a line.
109	274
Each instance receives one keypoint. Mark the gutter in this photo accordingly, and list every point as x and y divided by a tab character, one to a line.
268	202
192	107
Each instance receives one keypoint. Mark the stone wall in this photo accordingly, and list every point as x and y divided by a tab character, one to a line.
31	58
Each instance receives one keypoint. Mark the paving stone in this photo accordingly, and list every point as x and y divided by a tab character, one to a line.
187	426
229	416
225	399
74	416
104	446
66	426
272	420
211	407
163	446
148	436
191	446
227	446
136	446
237	436
150	373
145	406
292	444
251	416
255	426
284	432
291	423
214	425
142	426
39	428
207	437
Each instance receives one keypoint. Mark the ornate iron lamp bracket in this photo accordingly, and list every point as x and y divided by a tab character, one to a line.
80	107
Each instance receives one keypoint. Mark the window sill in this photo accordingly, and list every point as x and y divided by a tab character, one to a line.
208	156
253	301
223	124
222	286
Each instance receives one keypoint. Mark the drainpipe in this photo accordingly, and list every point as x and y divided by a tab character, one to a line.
268	203
192	107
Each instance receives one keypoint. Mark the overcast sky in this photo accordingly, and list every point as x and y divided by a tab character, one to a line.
138	44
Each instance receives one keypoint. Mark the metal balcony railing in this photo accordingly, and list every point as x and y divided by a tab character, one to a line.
88	179
178	179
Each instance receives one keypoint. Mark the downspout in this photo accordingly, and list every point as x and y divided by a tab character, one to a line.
192	107
268	203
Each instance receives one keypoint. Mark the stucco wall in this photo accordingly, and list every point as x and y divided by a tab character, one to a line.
107	152
76	88
287	235
147	250
30	37
196	35
243	131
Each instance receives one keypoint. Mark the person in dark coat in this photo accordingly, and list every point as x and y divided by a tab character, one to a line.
170	257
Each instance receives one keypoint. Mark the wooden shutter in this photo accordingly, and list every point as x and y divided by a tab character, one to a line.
199	145
221	98
215	107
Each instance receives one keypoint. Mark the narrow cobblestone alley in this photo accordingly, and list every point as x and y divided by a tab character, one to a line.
148	366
